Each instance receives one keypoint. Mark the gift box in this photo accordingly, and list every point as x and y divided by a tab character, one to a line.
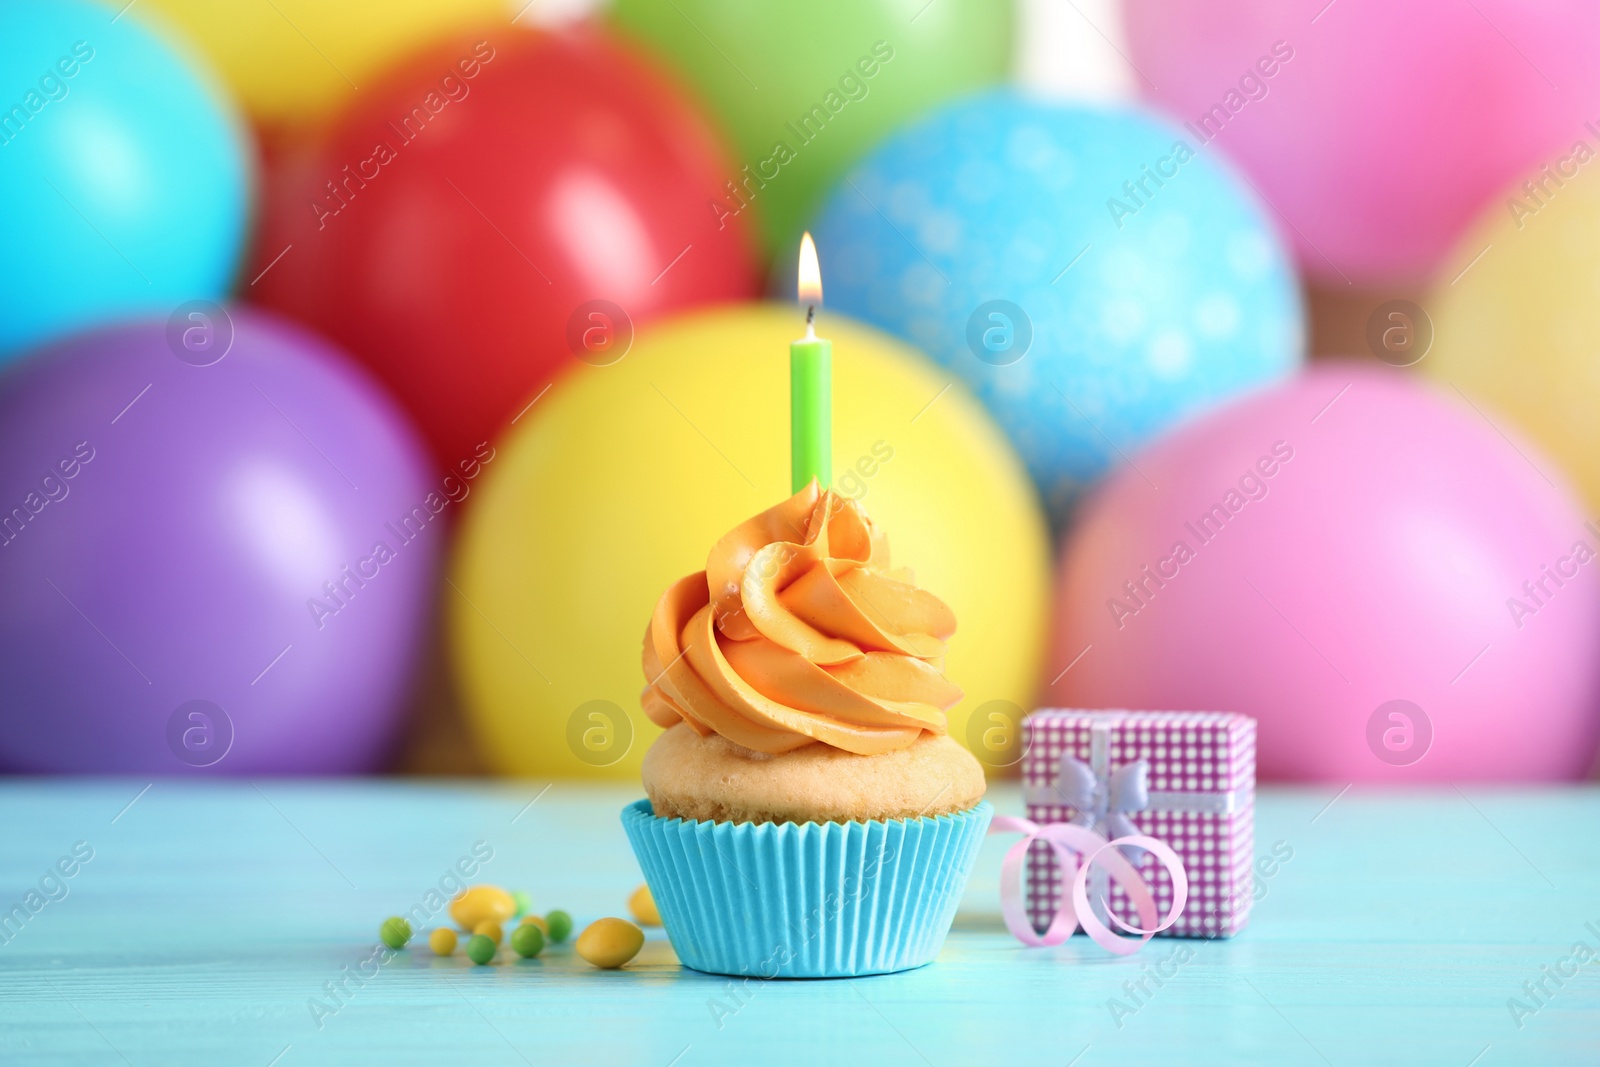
1186	778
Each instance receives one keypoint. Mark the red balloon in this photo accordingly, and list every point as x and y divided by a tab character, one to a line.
495	208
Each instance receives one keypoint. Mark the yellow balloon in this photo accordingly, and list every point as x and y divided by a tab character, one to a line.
291	62
619	480
1517	319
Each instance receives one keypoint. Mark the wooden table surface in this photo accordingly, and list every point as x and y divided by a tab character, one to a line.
213	917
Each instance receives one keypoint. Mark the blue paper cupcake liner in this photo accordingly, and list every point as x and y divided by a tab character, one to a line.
806	900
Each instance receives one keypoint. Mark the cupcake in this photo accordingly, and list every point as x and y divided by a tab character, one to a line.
808	814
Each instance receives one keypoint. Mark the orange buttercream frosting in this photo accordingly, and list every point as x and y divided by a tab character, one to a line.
798	632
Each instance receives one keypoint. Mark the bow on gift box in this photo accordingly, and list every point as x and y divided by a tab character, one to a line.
1103	801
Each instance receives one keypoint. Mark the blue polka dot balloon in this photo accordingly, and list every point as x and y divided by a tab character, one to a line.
1090	272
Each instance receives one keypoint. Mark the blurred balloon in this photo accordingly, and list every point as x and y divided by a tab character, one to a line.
1386	584
291	62
124	175
1088	276
805	90
494	209
622	478
217	549
1515	317
1377	129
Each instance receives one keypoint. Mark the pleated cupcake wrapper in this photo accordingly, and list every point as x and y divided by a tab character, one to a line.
806	900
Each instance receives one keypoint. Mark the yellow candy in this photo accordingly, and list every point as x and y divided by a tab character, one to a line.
442	941
479	903
643	906
490	929
537	920
609	943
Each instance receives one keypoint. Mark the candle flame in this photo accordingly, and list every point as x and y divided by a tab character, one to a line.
810	272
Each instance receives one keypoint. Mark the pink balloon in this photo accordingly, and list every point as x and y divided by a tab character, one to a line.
1382	129
1316	552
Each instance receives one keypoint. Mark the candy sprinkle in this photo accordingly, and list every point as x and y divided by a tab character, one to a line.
480	949
442	941
477	903
395	932
643	906
610	943
527	940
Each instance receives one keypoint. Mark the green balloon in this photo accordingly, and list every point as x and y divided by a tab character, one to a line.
806	89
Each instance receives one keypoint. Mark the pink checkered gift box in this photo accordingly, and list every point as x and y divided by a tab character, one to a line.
1186	778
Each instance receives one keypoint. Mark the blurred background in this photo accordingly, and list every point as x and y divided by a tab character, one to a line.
370	368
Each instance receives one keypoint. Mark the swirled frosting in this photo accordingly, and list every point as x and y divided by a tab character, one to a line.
798	632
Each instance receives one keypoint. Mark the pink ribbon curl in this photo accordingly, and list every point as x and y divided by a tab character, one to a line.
1071	841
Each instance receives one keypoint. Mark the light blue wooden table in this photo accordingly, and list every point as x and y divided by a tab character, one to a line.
213	916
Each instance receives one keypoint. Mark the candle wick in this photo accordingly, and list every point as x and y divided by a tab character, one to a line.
811	314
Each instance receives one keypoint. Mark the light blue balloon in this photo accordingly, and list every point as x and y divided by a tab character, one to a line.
998	236
124	174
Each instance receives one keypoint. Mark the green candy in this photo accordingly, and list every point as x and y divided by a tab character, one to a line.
395	932
527	941
560	924
480	949
524	903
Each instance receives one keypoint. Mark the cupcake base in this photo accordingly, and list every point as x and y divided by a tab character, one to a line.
806	900
711	779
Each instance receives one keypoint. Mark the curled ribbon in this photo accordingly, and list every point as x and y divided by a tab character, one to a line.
1070	841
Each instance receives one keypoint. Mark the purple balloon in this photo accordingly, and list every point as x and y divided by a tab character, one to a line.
218	549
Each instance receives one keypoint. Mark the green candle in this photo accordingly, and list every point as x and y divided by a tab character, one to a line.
810	386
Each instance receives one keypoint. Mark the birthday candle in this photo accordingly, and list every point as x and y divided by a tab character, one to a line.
810	386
